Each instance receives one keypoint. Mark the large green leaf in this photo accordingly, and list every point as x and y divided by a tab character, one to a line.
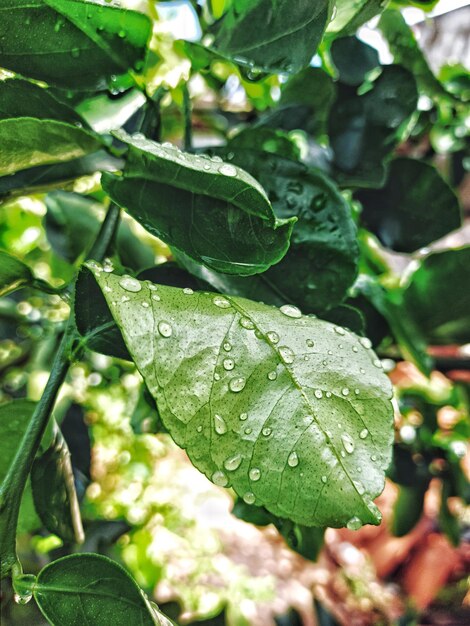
54	492
70	43
276	35
293	412
321	262
91	589
363	128
213	211
437	296
414	208
13	273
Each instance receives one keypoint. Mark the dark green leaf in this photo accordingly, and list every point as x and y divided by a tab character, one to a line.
13	273
70	43
363	128
213	211
414	208
292	411
353	59
408	508
437	297
54	493
347	316
92	590
267	140
14	419
276	36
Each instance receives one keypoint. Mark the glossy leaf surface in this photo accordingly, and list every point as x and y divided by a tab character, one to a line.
70	43
13	273
274	35
92	590
212	211
291	411
414	208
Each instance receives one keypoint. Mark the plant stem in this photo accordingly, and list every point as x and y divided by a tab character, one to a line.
188	126
12	487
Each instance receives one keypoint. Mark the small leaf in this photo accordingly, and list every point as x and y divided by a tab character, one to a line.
54	493
278	36
291	411
353	59
437	297
70	43
414	208
213	211
13	273
91	589
350	15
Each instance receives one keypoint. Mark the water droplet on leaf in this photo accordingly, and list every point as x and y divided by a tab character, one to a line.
237	384
228	170
219	479
233	462
221	302
254	474
220	425
354	523
318	393
164	329
272	336
130	284
290	310
348	443
293	459
188	291
246	323
249	497
286	354
272	375
363	434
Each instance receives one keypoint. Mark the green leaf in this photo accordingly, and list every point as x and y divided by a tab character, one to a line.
90	589
278	36
321	262
415	207
437	297
54	492
266	139
350	15
291	411
14	419
213	211
353	59
70	43
13	273
363	128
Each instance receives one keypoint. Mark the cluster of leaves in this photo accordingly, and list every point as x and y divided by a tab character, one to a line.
297	206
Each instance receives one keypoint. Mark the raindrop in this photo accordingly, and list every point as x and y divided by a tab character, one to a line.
290	310
227	346
220	425
164	329
365	342
145	305
343	454
254	474
229	364
267	431
199	429
219	479
237	384
373	457
125	299
156	298
216	159
293	459
360	487
328	394
355	349
272	336
348	443
272	375
207	167
249	497
362	370
246	323
107	289
318	393
243	416
378	363
130	284
216	376
345	391
248	431
228	170
233	462
340	330
221	302
286	354
324	479
151	286
310	343
354	523
363	434
23	598
357	391
188	291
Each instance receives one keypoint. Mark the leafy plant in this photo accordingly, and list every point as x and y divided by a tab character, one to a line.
273	213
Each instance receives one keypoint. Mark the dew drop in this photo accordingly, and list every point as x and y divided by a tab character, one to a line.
228	170
293	459
227	346
23	598
373	457
107	289
360	487
130	284
254	474
290	310
207	167
345	391
355	349
362	370
221	302
343	454
324	479
267	431
216	376
328	394
310	343
229	364
233	462
249	497
378	363
156	297
363	434
348	443
199	429
354	523
219	479
125	299
248	431
145	305
286	354
237	384
164	329
151	286
246	323
357	391
272	375
340	330
188	291
318	393
243	416
220	425
365	342
272	336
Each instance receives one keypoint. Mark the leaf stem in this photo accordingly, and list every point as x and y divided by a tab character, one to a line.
188	126
105	236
